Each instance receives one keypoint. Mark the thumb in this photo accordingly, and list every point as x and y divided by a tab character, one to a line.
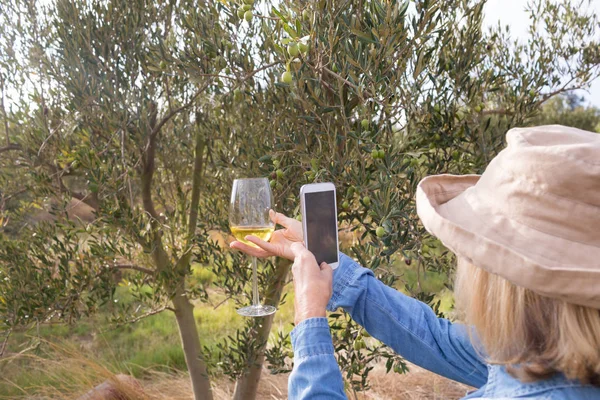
327	271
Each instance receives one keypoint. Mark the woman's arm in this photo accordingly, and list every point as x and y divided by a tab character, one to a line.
316	374
408	326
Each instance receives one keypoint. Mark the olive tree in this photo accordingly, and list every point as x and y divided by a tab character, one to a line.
146	111
116	112
374	95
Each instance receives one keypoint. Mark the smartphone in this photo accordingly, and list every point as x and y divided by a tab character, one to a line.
319	222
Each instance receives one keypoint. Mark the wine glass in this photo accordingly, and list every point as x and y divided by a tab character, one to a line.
251	200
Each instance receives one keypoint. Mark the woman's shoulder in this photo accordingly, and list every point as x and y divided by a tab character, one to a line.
501	385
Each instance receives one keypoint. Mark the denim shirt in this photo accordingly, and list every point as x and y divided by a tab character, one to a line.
413	330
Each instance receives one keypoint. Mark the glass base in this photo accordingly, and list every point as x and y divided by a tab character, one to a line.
256	311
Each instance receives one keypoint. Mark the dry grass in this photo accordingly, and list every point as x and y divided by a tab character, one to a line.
419	384
62	372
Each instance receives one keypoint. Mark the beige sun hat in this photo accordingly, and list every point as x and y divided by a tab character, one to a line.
533	217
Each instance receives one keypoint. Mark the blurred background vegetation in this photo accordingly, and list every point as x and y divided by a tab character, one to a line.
125	122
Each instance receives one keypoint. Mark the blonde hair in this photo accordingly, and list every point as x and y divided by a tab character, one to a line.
520	328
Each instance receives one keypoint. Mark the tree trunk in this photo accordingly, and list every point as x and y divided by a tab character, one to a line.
184	312
247	385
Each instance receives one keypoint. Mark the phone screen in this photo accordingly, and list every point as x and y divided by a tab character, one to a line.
321	226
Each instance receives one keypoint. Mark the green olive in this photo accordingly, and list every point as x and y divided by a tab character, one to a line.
359	344
246	7
293	49
345	205
364	123
248	16
240	12
381	154
366	201
380	231
279	173
375	154
287	77
238	94
351	191
303	47
163	65
272	183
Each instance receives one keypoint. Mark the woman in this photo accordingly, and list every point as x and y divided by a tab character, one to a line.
526	234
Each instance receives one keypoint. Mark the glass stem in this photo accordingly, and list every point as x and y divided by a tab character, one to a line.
255	299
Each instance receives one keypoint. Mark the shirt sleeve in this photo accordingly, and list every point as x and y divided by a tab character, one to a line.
316	374
408	326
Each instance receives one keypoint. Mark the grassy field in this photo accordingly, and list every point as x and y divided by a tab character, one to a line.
70	359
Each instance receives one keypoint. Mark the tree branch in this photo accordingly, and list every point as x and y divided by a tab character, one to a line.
10	196
500	111
184	260
197	182
148	314
4	112
133	267
5	342
149	164
172	113
256	71
160	256
90	199
11	146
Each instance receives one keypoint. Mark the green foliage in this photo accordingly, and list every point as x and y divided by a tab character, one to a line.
146	111
569	110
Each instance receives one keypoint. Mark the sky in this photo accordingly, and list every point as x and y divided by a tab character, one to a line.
512	12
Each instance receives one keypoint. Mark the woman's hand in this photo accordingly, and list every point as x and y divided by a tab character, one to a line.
312	284
280	243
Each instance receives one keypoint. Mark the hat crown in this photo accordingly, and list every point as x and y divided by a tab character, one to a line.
547	178
533	217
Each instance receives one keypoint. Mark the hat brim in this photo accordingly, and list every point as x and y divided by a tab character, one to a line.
449	209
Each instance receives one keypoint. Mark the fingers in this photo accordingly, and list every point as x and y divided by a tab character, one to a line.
250	250
281	219
266	246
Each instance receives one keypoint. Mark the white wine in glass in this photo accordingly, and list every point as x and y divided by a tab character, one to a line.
261	232
251	200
